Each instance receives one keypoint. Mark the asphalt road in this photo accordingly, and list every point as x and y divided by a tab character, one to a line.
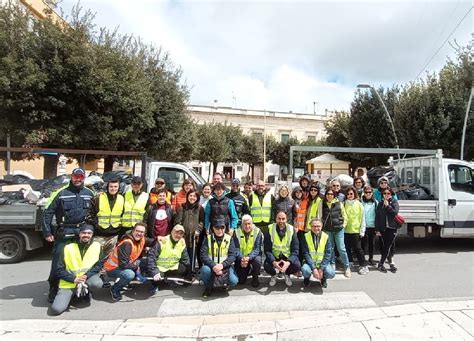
428	269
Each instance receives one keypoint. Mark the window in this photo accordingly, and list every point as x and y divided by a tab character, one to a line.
285	137
460	178
311	138
173	177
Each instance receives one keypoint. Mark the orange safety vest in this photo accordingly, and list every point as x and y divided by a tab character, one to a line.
153	198
112	262
301	214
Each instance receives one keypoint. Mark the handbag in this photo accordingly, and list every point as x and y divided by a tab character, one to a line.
399	220
222	280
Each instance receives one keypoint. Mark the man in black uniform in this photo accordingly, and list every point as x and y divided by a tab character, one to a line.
69	205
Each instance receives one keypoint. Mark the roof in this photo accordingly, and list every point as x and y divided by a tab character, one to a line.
327	158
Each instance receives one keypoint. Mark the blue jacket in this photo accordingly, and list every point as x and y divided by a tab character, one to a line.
70	205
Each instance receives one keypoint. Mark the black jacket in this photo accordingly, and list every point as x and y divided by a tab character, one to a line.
154	254
384	215
294	246
240	204
192	219
70	205
150	216
124	251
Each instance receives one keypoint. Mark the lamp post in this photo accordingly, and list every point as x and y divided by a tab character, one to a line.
465	124
367	86
264	142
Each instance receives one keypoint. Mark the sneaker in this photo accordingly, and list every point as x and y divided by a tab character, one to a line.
273	281
206	293
382	268
324	282
347	273
255	282
288	281
333	266
363	270
116	296
154	290
306	282
128	287
53	291
393	268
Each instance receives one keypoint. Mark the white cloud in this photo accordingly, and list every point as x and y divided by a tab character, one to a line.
284	56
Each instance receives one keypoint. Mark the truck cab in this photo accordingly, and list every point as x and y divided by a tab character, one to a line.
174	174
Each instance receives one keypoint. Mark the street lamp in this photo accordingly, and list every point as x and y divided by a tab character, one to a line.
465	123
367	86
264	142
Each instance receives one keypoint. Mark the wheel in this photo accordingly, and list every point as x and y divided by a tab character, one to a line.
12	247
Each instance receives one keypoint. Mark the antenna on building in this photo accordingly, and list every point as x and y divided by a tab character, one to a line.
234	100
314	107
215	103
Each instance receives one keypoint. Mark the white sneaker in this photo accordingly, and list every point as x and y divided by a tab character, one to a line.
273	281
363	270
347	273
288	281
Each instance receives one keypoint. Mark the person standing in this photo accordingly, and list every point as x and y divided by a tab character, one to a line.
240	203
153	195
70	206
123	263
283	203
136	204
261	205
217	256
105	215
385	226
180	197
78	269
159	216
220	207
314	206
205	195
248	242
359	185
336	187
317	254
334	220
355	229
370	205
281	250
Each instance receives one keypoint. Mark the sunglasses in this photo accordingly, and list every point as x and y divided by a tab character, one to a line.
313	190
350	193
368	192
330	194
78	177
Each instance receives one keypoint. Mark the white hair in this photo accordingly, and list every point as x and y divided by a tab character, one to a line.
246	217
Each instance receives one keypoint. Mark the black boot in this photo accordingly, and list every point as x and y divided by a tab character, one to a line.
324	282
53	291
255	282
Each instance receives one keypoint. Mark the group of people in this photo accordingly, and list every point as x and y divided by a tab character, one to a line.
160	236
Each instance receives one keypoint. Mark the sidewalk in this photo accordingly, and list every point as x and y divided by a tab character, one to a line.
448	320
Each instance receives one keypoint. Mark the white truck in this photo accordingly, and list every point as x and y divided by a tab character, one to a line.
20	224
450	214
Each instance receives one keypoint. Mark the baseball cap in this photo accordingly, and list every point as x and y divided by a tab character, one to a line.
137	180
235	181
86	227
160	180
178	227
383	178
78	172
218	222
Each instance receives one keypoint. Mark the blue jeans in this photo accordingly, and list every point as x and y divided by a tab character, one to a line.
208	277
328	271
124	276
337	238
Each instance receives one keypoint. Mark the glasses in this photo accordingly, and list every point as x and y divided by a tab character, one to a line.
383	182
330	194
337	186
159	183
349	194
78	177
219	227
139	232
313	190
368	192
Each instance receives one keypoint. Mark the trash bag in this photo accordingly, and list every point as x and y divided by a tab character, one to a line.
375	173
393	179
345	180
414	192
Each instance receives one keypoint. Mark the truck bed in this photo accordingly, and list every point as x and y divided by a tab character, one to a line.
18	214
419	211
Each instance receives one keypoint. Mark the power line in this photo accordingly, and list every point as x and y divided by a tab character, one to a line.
444	42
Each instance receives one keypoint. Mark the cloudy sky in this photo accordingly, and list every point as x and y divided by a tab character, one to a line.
282	55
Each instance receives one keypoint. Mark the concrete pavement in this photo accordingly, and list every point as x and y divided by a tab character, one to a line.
447	320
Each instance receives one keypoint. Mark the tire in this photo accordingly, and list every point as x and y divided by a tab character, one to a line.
12	248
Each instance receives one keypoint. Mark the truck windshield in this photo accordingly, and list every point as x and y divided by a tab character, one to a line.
198	176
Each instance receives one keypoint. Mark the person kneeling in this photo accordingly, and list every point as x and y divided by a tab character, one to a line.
168	257
78	270
281	250
217	255
317	255
248	242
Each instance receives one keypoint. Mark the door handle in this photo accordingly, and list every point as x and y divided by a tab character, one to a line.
452	202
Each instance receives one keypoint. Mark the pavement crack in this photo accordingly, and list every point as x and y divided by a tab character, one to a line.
366	330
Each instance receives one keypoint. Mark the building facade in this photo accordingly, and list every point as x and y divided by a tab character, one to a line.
281	125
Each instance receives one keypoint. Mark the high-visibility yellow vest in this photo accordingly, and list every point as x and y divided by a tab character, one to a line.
246	246
316	255
134	210
170	254
218	253
110	217
261	213
78	265
281	245
355	213
312	212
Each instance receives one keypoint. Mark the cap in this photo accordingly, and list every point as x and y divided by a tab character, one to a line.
218	222
177	228
86	227
235	181
160	180
78	171
383	178
137	180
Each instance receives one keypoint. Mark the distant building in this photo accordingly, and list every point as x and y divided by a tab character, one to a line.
281	125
